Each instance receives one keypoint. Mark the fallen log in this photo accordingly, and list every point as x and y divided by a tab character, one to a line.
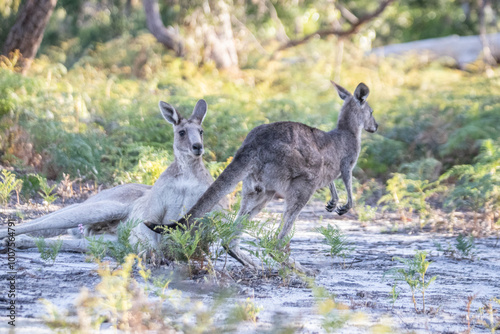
463	49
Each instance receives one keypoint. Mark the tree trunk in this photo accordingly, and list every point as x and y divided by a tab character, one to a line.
488	58
167	36
27	33
219	39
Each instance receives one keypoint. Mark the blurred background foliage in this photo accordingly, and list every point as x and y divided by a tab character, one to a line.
88	105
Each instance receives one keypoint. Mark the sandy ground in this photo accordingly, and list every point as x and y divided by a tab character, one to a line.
359	284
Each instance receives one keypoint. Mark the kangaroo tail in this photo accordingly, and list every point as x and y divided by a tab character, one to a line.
225	183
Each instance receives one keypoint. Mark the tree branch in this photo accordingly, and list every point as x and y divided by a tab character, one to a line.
339	32
167	36
281	33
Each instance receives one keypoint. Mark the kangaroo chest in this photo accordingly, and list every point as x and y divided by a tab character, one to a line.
180	195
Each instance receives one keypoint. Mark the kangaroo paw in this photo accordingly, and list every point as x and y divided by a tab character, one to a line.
341	210
330	206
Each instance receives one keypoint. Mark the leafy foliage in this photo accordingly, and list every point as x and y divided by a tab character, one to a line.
414	275
337	240
463	248
477	186
46	190
273	253
406	195
120	249
48	252
8	185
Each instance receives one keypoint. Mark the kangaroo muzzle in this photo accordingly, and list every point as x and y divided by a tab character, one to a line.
197	149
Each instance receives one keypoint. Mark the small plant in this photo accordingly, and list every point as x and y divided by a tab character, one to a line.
182	243
118	299
220	229
397	196
394	294
271	251
465	246
65	187
335	315
337	240
492	322
48	252
366	213
407	195
96	248
468	316
31	186
414	275
120	249
46	190
122	302
8	185
245	311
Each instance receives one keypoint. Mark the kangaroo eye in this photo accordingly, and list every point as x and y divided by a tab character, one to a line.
182	133
201	132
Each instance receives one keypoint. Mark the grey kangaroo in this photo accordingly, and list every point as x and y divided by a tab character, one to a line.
294	160
177	189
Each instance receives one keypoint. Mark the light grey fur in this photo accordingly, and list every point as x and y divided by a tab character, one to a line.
294	160
176	190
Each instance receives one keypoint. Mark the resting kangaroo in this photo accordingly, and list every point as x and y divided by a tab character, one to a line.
295	160
177	189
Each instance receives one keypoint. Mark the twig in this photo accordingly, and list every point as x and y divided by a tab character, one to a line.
336	31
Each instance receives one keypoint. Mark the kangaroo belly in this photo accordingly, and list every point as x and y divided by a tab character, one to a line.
181	198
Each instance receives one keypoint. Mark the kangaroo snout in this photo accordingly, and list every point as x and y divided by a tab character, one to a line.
197	148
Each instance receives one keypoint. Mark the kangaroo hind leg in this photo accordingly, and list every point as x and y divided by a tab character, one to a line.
252	202
84	213
298	194
68	245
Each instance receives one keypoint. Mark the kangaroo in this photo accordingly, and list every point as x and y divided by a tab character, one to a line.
294	160
176	190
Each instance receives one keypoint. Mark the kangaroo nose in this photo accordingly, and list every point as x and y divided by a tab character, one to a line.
197	148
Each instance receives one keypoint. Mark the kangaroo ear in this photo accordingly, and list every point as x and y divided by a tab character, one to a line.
361	93
169	113
199	112
343	93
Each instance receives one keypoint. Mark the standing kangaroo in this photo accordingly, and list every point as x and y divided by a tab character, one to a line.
295	160
177	189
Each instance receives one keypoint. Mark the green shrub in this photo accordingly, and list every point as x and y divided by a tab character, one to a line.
413	273
477	186
8	185
49	252
337	240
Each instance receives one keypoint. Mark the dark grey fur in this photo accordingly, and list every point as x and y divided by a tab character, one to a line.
294	160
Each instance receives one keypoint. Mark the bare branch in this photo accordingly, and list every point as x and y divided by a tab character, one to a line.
339	32
346	13
167	36
261	49
281	33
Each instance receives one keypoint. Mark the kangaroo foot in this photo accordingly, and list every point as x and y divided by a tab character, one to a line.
295	265
342	209
330	206
242	258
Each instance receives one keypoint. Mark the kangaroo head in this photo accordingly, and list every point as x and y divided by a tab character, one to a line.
357	105
188	133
